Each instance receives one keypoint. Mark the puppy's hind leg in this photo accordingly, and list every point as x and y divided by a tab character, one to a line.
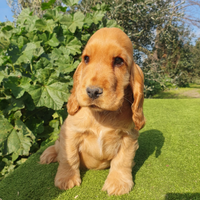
50	154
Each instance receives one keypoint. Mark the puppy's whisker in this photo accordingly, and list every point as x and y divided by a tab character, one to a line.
128	100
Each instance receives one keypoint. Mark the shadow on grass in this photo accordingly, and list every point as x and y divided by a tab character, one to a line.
167	95
149	142
184	196
196	86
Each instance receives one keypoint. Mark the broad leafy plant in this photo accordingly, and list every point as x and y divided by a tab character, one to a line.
38	57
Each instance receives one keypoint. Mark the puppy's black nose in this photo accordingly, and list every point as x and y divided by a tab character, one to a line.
94	92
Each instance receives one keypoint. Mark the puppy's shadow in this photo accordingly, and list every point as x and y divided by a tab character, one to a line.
149	142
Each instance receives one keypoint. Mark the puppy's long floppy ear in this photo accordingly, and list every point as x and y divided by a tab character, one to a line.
72	104
137	85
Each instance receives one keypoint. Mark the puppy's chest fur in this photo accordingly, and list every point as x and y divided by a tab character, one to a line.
101	145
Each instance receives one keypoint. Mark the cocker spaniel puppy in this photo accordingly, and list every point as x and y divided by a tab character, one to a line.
105	113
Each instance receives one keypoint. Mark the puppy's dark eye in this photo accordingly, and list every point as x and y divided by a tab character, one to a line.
118	61
86	59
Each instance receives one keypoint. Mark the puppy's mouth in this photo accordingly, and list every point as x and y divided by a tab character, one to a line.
101	109
95	107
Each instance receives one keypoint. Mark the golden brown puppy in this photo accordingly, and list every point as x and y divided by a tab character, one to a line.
105	113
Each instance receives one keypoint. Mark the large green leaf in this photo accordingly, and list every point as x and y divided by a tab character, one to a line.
63	64
14	53
72	47
53	41
12	105
51	96
61	54
78	19
43	37
43	63
7	31
53	14
35	43
12	84
64	67
5	129
25	13
97	16
72	22
15	139
45	25
66	20
50	25
41	24
88	20
28	51
112	23
46	76
55	54
49	92
30	23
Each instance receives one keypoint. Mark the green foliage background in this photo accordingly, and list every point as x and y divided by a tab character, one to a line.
38	57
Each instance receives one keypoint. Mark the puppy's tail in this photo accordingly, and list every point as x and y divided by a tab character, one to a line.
50	154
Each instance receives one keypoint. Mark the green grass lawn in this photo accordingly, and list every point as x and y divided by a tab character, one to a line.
167	162
193	91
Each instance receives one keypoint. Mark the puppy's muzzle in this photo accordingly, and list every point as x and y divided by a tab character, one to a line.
94	92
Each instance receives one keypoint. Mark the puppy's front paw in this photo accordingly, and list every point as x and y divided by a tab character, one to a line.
117	186
67	181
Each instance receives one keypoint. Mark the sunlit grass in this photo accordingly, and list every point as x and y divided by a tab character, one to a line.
178	93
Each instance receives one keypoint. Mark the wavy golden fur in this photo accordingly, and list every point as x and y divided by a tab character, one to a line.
105	113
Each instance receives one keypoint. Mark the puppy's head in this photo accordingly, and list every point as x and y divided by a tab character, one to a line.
106	69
